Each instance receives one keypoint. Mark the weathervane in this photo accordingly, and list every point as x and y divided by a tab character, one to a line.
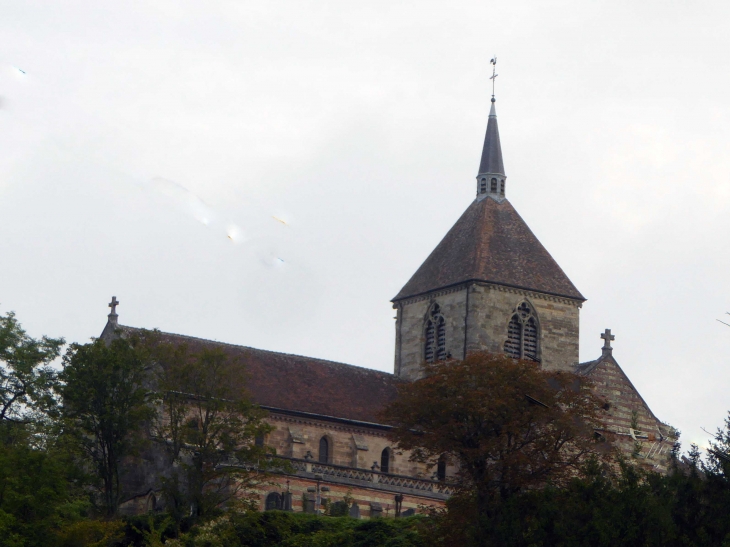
494	75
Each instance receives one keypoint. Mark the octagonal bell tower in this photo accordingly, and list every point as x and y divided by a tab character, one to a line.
489	285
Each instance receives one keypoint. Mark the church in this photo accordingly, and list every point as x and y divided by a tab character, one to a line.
489	285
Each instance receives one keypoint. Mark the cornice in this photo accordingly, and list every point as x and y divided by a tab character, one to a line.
492	286
328	422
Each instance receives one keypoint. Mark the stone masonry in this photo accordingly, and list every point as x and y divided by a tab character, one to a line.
479	323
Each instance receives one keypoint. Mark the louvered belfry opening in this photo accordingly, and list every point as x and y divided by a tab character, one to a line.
435	348
430	340
513	345
523	337
441	339
530	339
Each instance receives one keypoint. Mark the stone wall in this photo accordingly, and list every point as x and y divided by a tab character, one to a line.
483	314
630	425
411	324
352	446
366	499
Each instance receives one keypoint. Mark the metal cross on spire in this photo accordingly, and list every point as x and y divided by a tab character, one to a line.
494	75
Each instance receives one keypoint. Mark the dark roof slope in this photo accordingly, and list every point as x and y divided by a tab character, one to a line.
490	242
491	161
304	384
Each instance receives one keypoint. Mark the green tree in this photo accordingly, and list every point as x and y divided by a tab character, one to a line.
210	427
39	489
105	405
508	425
26	378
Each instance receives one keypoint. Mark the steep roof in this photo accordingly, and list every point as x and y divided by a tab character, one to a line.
304	384
491	162
490	242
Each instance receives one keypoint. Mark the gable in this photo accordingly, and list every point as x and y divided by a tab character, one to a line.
627	408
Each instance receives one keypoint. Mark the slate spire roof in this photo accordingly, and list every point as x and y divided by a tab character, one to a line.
492	163
491	243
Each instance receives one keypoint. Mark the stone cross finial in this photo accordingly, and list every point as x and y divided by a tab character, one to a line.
113	305
607	338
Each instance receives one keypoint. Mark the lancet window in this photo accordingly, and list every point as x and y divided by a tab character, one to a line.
483	186
494	186
385	460
324	450
523	334
441	468
435	335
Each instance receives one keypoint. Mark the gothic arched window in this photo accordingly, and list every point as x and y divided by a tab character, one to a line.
523	334
385	461
435	335
494	186
324	450
483	186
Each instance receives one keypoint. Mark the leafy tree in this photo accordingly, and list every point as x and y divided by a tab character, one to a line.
26	378
39	491
105	405
210	428
509	425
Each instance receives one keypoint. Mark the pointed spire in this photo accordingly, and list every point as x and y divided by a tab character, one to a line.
492	152
491	177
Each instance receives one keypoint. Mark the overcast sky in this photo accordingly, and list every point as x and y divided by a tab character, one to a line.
150	150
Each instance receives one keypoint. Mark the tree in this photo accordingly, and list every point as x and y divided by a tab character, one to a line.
38	484
26	378
105	405
718	454
210	429
507	424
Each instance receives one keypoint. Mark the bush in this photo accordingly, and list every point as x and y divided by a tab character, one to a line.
283	529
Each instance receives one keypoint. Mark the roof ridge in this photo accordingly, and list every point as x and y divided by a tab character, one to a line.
280	353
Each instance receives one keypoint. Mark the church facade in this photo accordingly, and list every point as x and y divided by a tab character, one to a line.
489	285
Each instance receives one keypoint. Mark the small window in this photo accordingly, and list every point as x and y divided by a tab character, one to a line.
273	501
441	469
259	440
324	449
385	461
501	187
494	186
483	186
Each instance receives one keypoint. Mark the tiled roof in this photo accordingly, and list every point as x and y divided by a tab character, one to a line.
304	384
490	242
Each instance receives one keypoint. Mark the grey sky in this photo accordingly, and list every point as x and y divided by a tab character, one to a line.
142	134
